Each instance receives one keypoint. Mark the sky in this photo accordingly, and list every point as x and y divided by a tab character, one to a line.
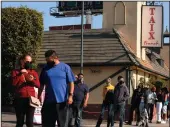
52	21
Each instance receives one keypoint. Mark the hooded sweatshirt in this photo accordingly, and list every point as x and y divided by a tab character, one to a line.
121	93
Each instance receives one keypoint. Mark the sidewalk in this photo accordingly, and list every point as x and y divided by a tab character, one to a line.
9	120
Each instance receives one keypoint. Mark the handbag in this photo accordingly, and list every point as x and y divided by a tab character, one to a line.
33	101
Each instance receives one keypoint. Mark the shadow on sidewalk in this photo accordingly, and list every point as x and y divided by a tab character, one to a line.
8	121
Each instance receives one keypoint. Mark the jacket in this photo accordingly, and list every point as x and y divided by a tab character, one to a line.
24	89
109	99
121	93
106	88
136	98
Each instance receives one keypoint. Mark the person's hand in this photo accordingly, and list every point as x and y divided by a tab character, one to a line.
85	104
70	100
29	77
24	71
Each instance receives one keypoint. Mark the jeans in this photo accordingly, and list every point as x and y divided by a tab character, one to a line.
52	112
141	107
22	109
101	117
77	109
150	111
158	110
121	109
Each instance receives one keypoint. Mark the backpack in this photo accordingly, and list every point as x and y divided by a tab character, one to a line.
109	98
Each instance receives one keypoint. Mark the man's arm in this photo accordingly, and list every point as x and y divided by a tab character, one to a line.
126	94
71	91
86	99
42	83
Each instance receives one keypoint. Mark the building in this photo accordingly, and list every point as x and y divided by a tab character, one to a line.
108	52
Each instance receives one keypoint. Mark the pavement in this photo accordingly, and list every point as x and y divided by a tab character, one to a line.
9	120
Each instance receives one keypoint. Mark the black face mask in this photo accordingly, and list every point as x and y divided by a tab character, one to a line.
28	65
80	80
50	63
121	82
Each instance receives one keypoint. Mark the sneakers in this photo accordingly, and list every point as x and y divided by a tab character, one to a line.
158	122
128	123
163	122
150	121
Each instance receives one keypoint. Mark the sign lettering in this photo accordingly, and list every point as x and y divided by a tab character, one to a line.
152	26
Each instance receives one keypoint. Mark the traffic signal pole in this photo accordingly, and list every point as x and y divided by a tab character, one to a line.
82	30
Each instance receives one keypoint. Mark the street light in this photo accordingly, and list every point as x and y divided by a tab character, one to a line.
82	28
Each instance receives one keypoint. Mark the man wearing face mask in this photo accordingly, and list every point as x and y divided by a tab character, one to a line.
121	94
107	89
58	79
80	99
24	79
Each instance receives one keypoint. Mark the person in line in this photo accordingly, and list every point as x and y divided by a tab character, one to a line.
105	105
59	81
159	105
165	105
151	103
135	105
24	79
80	99
121	94
143	106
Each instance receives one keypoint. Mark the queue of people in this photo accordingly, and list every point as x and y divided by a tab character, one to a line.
66	95
145	99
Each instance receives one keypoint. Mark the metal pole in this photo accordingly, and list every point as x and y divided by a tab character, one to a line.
169	56
169	44
82	28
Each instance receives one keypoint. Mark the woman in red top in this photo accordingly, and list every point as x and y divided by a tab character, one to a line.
24	79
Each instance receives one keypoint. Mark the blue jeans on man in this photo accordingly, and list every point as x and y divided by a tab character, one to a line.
77	109
101	117
119	108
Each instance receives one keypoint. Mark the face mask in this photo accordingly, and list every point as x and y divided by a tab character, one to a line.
81	80
121	82
28	65
50	63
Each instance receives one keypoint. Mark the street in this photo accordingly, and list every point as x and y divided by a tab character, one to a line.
9	120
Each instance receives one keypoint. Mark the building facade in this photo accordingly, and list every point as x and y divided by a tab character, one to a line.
109	52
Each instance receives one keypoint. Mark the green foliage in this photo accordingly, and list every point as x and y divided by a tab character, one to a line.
157	83
22	30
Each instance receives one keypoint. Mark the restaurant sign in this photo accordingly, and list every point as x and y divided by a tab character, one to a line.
152	26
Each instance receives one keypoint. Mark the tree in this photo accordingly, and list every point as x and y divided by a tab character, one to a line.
22	30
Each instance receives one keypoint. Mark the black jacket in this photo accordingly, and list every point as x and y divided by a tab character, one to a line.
136	97
109	99
121	93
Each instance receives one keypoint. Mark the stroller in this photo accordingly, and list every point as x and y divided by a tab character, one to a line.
143	118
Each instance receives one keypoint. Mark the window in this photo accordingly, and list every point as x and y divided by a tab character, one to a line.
119	13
